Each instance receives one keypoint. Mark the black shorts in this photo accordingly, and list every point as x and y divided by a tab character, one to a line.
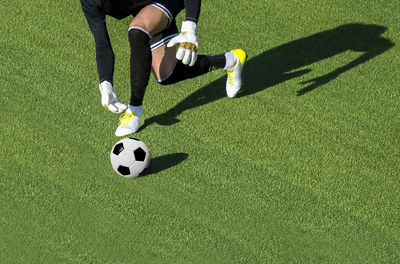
171	9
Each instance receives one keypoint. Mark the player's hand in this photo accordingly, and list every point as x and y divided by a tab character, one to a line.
187	51
109	98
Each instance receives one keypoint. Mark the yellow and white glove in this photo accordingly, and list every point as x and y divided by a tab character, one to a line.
187	51
109	99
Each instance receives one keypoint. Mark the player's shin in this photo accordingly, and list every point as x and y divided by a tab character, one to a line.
140	63
204	64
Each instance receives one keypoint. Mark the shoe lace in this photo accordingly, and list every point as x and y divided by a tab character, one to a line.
230	77
126	118
231	70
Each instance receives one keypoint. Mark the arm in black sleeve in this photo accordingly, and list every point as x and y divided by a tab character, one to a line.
192	8
104	54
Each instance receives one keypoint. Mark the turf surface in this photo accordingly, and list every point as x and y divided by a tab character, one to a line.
302	167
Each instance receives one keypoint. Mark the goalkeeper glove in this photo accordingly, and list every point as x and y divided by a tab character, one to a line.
187	51
109	98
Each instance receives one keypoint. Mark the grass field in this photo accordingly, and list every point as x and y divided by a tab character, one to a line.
302	167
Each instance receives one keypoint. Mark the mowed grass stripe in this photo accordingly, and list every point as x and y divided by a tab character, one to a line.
266	177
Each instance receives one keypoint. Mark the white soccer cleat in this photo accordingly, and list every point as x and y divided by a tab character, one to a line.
109	98
234	80
129	124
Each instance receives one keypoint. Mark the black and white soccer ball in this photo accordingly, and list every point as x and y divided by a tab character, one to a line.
130	157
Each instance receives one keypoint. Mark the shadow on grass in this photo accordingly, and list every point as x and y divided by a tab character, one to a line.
280	64
165	162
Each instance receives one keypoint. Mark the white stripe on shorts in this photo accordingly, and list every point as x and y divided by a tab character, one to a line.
162	41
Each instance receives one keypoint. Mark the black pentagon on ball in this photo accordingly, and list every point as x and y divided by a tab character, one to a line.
134	138
123	170
118	148
140	154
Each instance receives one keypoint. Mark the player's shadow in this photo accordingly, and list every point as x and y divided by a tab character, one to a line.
287	61
165	162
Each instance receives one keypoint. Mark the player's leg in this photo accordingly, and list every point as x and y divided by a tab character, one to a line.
180	71
148	22
168	70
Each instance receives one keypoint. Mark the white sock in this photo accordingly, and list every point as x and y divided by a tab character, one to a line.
230	60
137	110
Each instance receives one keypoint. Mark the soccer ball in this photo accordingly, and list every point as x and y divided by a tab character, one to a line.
130	157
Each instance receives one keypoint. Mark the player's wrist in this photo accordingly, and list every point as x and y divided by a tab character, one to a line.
106	82
189	26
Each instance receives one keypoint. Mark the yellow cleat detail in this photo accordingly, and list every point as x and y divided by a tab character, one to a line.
234	81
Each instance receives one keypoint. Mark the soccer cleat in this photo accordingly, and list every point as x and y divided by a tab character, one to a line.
109	99
234	80
129	123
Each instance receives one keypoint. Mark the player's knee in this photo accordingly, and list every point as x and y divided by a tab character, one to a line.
151	19
138	36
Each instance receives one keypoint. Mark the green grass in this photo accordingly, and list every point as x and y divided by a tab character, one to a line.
302	167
